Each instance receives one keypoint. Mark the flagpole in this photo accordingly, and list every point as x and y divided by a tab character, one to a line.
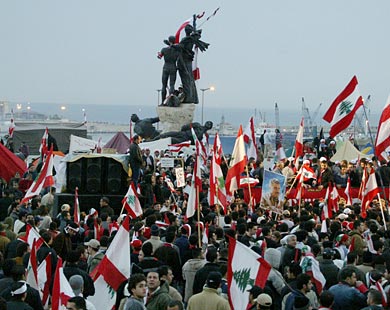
249	189
198	215
300	201
383	214
123	207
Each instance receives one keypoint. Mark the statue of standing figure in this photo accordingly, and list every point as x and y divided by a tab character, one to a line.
180	56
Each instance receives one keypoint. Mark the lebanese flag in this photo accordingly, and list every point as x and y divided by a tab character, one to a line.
299	144
175	148
32	268
347	192
246	268
44	141
113	269
343	109
246	182
306	173
98	230
11	127
250	139
44	278
370	191
333	198
237	163
62	290
170	185
131	203
196	184
370	245
31	236
382	142
43	180
217	149
76	212
311	267
217	185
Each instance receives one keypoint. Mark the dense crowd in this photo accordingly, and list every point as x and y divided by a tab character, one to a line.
179	263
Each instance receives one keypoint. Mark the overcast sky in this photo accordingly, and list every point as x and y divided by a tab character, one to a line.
261	52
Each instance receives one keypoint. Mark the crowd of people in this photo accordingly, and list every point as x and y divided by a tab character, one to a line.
179	263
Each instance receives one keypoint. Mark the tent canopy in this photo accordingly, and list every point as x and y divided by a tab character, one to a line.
120	142
346	150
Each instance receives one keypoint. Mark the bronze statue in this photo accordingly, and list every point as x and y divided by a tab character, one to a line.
185	133
144	127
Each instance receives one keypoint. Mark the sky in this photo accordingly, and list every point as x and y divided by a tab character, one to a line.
95	52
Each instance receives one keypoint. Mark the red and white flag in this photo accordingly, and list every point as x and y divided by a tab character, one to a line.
31	236
11	127
382	142
217	185
32	268
175	148
246	268
311	267
299	144
131	203
343	109
170	185
237	163
43	149
44	278
62	290
43	180
347	192
196	183
250	139
370	191
76	211
334	198
217	149
114	268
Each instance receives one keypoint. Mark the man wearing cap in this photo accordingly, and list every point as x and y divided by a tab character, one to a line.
94	255
209	298
328	268
155	238
254	292
264	302
77	284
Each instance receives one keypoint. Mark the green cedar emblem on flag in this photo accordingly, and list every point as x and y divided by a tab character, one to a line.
345	107
242	277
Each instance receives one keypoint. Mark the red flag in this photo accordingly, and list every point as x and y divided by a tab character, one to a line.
44	178
342	110
250	139
370	191
217	149
44	278
299	144
237	163
32	268
217	185
62	290
382	142
131	203
11	125
31	236
175	148
196	183
44	143
76	212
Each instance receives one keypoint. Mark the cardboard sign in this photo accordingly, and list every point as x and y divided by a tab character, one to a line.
167	162
180	181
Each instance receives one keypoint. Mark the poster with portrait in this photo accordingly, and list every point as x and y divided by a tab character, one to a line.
273	191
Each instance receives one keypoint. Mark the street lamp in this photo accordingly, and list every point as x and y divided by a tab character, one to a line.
212	88
158	96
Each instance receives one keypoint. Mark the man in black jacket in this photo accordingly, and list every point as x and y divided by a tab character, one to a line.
202	274
135	160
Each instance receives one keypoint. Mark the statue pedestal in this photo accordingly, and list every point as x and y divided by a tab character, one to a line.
173	118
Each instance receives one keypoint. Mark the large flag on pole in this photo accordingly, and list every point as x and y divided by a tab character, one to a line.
113	269
246	268
62	290
299	144
343	109
44	143
382	142
250	139
32	268
44	178
237	163
196	183
217	185
44	278
217	149
370	191
11	127
131	203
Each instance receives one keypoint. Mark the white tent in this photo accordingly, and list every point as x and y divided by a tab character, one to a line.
347	151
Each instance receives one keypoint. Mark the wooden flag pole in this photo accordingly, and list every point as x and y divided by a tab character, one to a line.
383	214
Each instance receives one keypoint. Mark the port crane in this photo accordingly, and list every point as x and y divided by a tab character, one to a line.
311	128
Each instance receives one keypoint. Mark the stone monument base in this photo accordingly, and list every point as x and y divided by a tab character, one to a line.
173	118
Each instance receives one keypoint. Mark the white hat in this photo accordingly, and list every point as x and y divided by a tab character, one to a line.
323	159
290	159
306	162
347	211
332	142
342	216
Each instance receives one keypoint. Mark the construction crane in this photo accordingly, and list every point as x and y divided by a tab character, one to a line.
360	122
276	115
306	116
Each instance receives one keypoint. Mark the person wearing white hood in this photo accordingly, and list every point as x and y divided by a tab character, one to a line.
273	257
